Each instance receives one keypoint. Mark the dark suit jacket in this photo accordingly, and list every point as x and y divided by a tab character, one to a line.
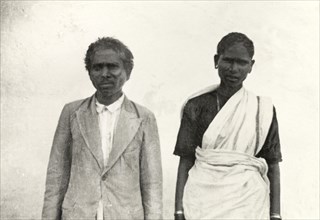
131	183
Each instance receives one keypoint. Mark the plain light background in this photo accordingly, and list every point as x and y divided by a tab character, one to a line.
43	44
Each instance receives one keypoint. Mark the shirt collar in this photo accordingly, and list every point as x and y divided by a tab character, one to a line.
112	107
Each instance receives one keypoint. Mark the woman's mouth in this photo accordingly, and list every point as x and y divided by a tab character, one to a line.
231	78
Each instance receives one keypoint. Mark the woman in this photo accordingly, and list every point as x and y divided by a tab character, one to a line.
229	145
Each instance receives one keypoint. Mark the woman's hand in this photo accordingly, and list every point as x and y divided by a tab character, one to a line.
179	216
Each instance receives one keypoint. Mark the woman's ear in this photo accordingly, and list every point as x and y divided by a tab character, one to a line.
216	60
251	65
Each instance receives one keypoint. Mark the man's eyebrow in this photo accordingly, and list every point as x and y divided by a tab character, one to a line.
106	63
97	65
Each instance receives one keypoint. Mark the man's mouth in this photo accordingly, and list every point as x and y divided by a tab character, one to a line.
106	84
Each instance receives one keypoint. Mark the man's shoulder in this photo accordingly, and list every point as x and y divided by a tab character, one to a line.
74	105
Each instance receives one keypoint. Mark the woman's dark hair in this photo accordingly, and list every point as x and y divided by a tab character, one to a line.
233	38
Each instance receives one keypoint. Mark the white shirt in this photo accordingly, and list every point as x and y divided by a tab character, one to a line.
108	118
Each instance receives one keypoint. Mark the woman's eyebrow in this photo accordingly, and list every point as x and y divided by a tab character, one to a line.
235	59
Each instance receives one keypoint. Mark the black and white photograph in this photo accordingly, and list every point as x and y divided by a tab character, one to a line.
159	110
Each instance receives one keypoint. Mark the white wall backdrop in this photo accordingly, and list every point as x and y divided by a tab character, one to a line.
43	44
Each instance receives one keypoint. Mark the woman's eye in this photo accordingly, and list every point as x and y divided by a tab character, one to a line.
243	63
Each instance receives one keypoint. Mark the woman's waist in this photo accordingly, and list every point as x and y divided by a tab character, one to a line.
213	158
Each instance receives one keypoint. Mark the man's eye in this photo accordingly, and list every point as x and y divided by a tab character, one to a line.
97	67
112	66
227	60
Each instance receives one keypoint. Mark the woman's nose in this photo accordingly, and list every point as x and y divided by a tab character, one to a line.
233	67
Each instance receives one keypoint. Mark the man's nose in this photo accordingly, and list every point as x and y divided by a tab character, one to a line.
105	72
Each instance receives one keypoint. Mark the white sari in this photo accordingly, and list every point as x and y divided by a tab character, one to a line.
227	181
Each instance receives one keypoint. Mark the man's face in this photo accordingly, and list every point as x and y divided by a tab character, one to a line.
107	72
234	65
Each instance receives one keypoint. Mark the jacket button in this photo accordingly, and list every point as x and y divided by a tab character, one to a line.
104	177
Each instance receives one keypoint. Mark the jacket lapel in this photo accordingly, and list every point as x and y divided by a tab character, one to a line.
126	128
88	120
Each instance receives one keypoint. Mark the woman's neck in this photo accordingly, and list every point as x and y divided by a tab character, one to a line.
227	91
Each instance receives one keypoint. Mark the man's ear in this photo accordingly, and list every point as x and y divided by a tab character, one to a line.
89	75
216	60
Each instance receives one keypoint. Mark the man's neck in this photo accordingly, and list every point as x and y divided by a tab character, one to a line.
108	100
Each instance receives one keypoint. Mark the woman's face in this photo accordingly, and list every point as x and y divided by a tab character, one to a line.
234	65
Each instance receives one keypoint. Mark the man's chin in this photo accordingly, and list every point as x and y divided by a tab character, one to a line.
105	92
108	92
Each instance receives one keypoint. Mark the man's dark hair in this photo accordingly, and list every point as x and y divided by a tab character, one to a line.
114	44
233	38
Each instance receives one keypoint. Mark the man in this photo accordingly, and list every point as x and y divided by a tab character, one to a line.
105	161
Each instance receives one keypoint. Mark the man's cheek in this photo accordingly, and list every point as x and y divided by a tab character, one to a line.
123	80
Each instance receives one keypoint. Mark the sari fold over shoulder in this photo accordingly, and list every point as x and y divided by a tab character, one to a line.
227	181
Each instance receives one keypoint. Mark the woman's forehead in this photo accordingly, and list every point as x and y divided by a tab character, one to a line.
237	49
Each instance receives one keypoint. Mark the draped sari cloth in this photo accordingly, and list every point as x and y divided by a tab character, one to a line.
227	181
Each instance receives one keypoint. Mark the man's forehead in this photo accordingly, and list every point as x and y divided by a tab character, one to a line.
105	51
106	56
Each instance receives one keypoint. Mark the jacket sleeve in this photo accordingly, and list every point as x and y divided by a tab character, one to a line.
58	171
151	171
